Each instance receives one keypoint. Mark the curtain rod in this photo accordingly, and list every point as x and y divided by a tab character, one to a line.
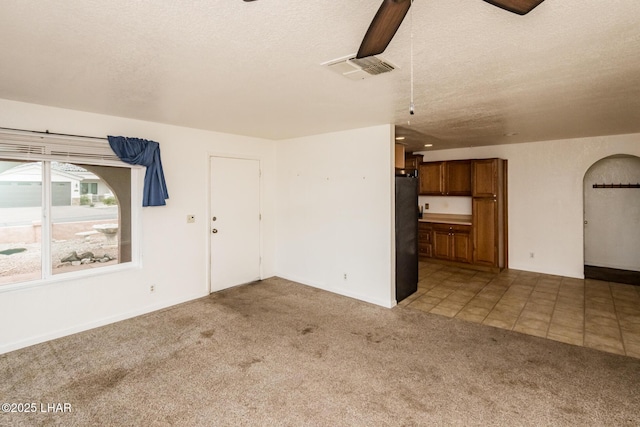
53	133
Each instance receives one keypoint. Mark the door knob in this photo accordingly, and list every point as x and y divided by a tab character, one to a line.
214	231
586	222
214	218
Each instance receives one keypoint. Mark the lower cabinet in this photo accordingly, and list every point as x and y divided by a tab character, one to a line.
452	242
425	245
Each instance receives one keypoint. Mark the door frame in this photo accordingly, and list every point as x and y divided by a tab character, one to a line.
209	211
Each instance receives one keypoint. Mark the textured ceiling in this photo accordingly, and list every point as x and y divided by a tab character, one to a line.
570	68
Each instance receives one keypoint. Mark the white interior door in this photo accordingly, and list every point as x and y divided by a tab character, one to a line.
234	222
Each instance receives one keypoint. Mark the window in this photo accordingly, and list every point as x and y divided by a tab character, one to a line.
59	217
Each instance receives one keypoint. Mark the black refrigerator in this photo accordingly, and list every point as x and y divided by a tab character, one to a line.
406	236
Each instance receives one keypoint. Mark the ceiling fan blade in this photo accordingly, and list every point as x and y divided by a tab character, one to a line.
383	27
521	7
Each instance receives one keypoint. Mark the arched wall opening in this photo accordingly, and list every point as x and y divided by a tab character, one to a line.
612	219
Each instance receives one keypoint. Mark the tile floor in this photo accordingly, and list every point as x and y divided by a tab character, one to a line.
589	313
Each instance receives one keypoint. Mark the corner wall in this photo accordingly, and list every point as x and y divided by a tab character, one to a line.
174	253
546	196
335	202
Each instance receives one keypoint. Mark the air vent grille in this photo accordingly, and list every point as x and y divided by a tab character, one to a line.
373	65
358	69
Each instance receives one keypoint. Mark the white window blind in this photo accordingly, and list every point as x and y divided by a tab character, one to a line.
25	145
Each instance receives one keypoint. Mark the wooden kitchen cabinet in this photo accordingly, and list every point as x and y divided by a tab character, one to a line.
412	162
452	242
458	178
425	245
489	213
431	175
485	177
451	178
485	216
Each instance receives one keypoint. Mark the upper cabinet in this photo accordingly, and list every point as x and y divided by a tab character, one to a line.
412	162
452	178
485	177
431	176
458	178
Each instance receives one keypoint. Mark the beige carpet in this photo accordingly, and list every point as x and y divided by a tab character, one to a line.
279	353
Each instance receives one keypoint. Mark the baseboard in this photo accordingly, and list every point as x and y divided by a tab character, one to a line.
359	297
16	345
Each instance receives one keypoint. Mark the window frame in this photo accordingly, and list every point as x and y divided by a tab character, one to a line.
25	146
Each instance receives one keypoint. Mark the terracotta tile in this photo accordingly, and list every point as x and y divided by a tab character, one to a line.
568	283
444	311
572	302
454	305
533	323
623	291
470	317
477	311
566	331
593	283
506	309
603	292
564	319
631	337
549	281
514	300
628	307
482	302
461	296
540	306
534	314
632	350
428	299
474	286
575	339
607	344
547	288
502	323
439	292
406	301
490	295
609	312
600	307
542	333
419	305
543	296
630	322
590	322
484	277
603	331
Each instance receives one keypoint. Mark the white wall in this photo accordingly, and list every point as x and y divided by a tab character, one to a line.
335	196
446	204
546	196
612	235
178	270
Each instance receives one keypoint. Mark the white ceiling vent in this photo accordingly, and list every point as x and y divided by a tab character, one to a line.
357	69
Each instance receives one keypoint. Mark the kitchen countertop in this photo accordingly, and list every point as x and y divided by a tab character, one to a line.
446	219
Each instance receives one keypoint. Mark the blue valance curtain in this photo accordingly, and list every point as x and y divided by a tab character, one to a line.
136	151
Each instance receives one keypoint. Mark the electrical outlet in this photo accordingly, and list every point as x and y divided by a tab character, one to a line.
152	288
532	255
426	206
345	276
191	219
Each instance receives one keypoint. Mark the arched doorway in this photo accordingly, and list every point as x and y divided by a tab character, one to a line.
612	219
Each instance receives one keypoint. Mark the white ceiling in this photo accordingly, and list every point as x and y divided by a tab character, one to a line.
570	68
